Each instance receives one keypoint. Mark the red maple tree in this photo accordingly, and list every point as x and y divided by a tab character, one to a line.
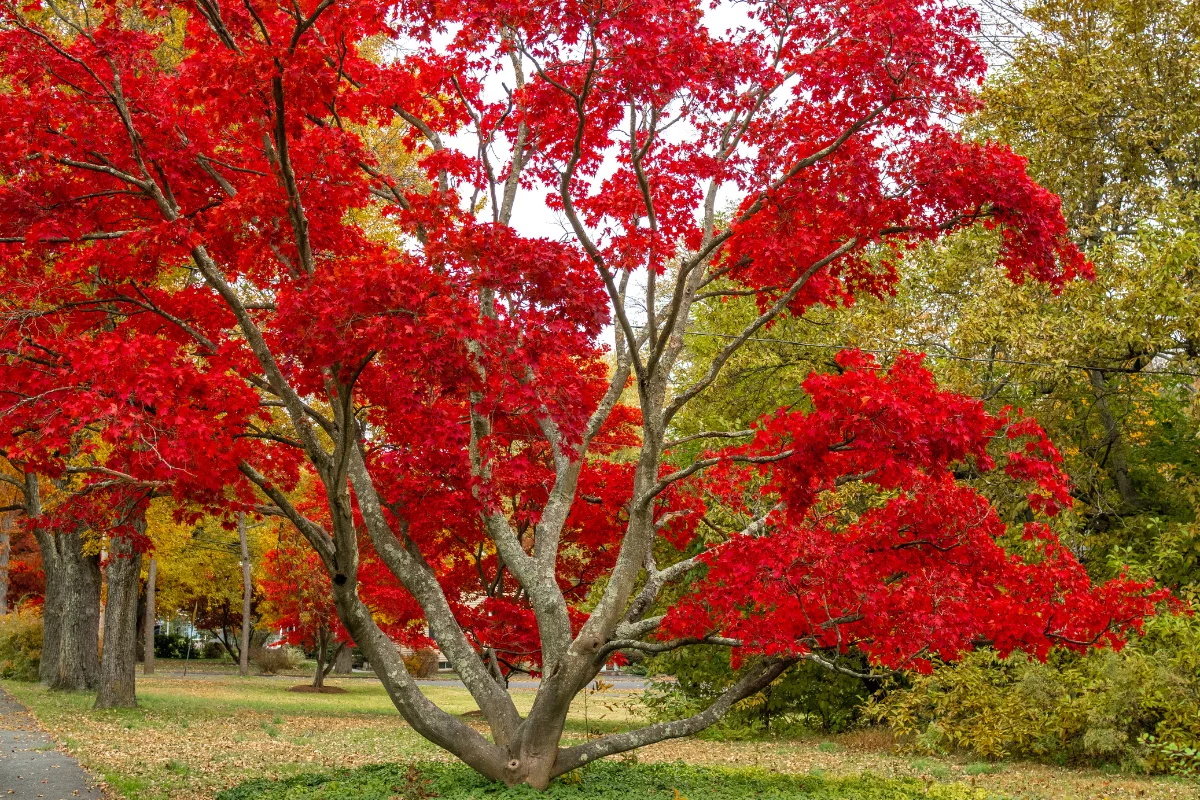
212	284
299	603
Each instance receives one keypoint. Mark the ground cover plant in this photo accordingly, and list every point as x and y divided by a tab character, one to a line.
602	781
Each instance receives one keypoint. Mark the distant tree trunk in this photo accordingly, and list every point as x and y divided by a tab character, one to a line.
343	664
149	619
118	661
322	645
139	635
244	654
6	526
1113	443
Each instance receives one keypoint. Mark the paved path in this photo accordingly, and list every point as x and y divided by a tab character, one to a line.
30	766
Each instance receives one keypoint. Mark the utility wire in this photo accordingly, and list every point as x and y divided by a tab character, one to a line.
955	357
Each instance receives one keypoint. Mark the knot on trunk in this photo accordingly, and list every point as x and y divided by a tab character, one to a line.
514	765
339	579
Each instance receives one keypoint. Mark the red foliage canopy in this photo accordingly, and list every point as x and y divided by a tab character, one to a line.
916	571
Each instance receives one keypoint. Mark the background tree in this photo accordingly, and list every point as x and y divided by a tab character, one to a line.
200	572
299	603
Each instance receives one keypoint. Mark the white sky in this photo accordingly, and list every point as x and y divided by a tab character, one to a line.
532	217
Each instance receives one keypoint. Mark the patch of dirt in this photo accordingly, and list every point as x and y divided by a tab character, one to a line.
476	714
308	688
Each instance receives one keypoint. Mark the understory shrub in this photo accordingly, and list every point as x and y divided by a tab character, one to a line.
807	697
272	660
20	645
422	664
1079	709
172	645
605	780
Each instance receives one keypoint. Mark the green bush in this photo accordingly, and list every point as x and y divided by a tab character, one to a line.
1078	709
172	645
807	697
605	780
20	645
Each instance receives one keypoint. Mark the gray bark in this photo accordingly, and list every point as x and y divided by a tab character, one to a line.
322	655
247	588
343	662
71	611
71	614
51	624
6	526
119	658
150	618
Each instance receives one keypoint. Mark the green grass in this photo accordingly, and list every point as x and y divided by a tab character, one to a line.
931	766
191	739
983	768
602	781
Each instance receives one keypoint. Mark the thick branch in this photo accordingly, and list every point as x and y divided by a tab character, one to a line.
754	681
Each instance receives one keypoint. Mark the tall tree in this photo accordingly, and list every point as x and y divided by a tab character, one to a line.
118	662
185	253
150	618
247	599
7	523
71	609
299	602
201	570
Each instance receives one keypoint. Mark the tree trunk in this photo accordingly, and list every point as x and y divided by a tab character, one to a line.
71	611
118	661
244	654
6	526
322	644
148	624
1114	443
71	614
52	614
343	664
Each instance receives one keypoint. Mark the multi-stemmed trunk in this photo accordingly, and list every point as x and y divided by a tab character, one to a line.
119	659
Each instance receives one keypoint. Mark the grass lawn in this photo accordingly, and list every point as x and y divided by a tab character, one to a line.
194	737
